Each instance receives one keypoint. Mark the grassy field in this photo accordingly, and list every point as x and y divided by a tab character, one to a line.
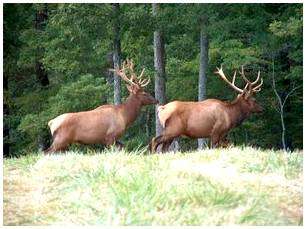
235	186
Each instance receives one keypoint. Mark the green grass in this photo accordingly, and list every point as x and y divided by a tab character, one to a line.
234	186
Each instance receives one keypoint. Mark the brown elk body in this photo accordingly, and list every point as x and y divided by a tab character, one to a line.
211	118
105	124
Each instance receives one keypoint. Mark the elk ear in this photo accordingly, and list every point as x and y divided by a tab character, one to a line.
132	88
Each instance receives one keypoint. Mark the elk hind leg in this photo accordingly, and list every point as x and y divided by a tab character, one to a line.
56	148
153	143
49	150
59	144
173	129
166	145
165	140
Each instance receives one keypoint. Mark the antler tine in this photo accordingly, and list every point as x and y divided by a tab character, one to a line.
246	79
125	78
122	74
124	64
131	65
243	75
258	87
234	78
245	87
221	73
141	81
128	64
146	83
141	73
258	75
127	61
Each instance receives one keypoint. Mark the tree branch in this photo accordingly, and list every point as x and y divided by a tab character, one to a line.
290	93
274	87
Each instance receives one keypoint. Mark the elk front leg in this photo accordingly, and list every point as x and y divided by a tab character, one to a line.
224	142
214	140
217	134
119	144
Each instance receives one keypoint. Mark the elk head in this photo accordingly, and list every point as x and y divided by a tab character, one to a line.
246	95
135	84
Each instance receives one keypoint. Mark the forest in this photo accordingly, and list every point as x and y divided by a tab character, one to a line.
57	59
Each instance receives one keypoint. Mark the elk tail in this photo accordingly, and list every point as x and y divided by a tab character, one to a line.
162	116
160	108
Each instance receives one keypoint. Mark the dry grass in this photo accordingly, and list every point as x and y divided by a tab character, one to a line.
235	186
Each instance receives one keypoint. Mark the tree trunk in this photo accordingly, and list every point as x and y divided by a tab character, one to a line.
6	112
159	64
147	123
283	129
40	22
116	53
203	73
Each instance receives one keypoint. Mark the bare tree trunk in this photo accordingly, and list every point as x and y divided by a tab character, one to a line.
159	64
160	75
281	104
203	72
147	114
281	110
160	85
116	53
283	128
109	75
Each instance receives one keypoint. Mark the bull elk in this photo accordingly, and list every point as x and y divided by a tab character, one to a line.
211	118
105	124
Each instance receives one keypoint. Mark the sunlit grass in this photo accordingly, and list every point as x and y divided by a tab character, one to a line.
234	186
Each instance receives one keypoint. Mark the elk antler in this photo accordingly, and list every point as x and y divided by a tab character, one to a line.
248	81
252	84
134	80
232	84
249	84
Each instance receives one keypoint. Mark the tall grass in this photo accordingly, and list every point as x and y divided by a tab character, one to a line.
235	186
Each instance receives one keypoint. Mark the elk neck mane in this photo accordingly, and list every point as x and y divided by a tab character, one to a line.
130	109
237	111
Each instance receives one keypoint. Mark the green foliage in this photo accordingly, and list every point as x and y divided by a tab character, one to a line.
290	28
73	46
